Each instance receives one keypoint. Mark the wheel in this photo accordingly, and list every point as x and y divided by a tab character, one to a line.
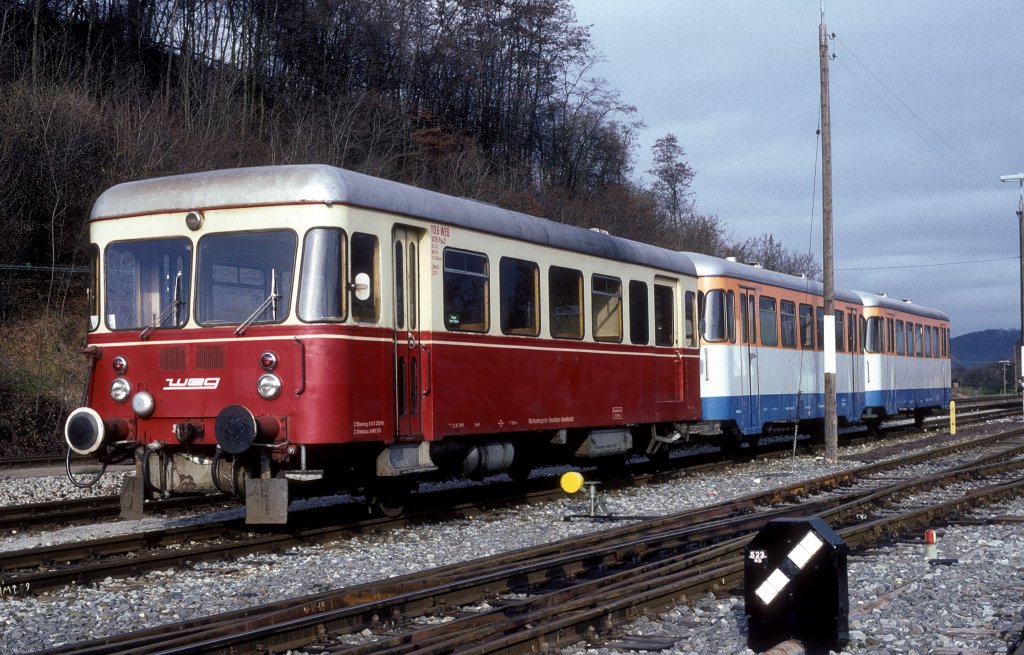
520	469
919	416
388	506
388	499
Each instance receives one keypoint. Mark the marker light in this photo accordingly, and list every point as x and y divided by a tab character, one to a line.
269	386
268	361
194	220
119	389
120	365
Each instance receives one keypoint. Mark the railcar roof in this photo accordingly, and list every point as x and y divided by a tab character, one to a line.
714	267
319	184
877	300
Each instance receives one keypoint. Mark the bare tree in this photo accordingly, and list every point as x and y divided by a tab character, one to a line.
672	177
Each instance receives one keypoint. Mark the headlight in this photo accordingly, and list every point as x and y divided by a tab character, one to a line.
269	386
119	389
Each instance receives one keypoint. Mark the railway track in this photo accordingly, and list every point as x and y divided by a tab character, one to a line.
592	582
106	508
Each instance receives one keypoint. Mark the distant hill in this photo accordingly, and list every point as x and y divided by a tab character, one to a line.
985	347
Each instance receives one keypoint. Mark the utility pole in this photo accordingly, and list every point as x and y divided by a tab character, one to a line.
1005	363
1019	355
829	347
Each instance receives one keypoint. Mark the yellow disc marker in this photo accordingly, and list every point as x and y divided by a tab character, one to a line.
571	482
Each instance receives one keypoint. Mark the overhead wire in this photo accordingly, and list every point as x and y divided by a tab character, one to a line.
967	175
973	261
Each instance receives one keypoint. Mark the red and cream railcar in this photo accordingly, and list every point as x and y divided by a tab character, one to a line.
307	323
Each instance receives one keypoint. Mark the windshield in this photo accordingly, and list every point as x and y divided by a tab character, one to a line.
141	283
241	272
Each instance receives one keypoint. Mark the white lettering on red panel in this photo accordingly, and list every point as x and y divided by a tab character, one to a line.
190	384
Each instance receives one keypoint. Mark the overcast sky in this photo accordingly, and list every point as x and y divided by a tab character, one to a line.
927	113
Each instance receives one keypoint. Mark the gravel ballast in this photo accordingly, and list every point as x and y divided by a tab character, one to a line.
899	602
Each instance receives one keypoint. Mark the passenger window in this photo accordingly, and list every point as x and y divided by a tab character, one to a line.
639	325
840	332
688	325
565	302
323	290
806	327
820	311
873	343
519	282
899	337
919	332
466	284
364	259
851	332
788	321
935	342
769	328
718	323
910	338
664	314
606	307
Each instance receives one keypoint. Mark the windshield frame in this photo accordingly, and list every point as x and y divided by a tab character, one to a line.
249	259
126	297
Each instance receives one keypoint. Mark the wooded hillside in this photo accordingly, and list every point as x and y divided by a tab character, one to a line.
490	99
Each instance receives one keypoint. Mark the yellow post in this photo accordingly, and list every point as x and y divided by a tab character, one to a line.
952	417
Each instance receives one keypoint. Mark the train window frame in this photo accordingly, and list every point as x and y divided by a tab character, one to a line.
900	337
664	316
519	304
472	286
935	342
93	288
689	321
316	291
874	337
561	309
365	311
787	328
261	289
159	286
806	326
819	322
928	341
768	316
605	306
639	306
840	331
919	339
717	323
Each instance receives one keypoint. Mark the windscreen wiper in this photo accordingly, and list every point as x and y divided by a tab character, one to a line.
271	302
175	306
